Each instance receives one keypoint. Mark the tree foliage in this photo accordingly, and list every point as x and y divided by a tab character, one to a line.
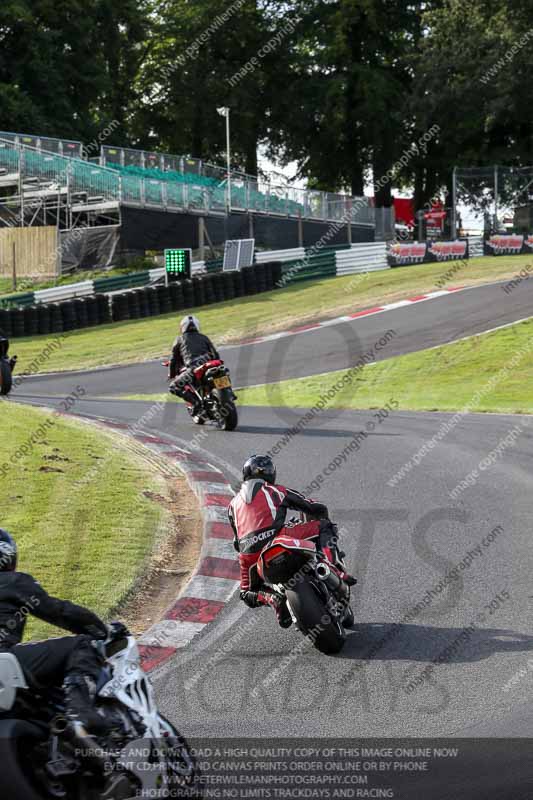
342	87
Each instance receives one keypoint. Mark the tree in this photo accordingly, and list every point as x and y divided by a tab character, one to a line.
67	67
201	60
346	115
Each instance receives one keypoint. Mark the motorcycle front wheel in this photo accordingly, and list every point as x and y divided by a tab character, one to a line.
183	769
314	620
17	738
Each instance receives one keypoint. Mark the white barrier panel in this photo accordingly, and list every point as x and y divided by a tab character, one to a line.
58	293
362	257
280	255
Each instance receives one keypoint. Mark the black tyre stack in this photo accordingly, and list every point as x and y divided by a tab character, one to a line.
69	315
277	272
218	287
229	285
80	312
238	283
267	275
198	288
91	305
175	291
56	318
164	299
5	322
260	277
144	303
44	322
153	301
188	293
249	280
17	321
209	292
133	305
30	321
104	309
119	307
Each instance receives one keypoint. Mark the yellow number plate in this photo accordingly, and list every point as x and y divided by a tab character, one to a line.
222	383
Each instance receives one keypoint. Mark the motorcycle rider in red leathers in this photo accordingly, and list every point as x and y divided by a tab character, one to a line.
257	514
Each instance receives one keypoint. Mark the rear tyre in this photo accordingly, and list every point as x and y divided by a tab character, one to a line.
231	417
314	620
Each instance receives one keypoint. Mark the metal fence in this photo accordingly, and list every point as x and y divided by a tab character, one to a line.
248	192
67	147
90	182
491	200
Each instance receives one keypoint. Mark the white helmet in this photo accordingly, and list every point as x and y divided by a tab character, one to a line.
189	321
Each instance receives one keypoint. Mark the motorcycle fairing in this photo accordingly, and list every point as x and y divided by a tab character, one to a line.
280	543
200	371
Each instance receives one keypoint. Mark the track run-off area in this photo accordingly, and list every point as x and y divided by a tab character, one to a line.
443	644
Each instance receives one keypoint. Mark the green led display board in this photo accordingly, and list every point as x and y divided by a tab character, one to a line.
178	264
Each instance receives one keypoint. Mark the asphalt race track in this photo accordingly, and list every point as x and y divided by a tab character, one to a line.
401	540
415	327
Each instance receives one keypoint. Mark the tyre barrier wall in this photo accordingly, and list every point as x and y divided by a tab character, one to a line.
149	301
70	291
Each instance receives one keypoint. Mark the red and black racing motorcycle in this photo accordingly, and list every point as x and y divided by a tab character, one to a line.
215	395
317	596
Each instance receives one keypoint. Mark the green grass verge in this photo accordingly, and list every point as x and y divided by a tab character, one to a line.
232	321
490	372
76	503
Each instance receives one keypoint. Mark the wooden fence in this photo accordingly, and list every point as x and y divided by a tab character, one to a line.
30	252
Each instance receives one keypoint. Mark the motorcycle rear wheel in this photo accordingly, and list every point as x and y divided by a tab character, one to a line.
231	418
314	620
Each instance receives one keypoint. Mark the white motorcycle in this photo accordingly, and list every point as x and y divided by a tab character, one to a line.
43	755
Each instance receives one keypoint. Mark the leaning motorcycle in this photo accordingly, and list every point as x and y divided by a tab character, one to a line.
317	597
44	756
215	395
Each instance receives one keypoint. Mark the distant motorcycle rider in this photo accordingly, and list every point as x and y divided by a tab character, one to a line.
257	513
4	350
71	660
190	350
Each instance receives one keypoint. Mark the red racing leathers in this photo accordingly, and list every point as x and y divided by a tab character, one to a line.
257	513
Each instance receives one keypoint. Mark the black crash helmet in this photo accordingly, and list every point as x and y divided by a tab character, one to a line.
259	467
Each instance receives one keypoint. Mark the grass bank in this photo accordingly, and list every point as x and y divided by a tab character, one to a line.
235	320
82	505
490	372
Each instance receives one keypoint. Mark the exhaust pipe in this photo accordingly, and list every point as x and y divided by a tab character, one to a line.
59	726
331	579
